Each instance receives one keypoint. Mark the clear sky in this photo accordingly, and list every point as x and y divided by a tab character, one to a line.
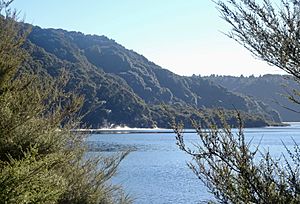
183	36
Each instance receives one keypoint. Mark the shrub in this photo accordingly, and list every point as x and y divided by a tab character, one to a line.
41	159
236	173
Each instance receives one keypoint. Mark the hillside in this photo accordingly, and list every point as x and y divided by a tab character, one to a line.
124	88
271	89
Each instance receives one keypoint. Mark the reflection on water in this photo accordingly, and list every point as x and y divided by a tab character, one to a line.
156	172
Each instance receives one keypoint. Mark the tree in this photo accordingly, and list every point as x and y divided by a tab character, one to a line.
41	159
270	34
235	173
224	161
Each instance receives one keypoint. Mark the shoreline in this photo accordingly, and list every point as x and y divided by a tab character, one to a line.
127	130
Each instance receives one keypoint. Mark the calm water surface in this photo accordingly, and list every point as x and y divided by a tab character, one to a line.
156	171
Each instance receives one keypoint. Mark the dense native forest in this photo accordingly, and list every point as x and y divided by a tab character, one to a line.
273	90
122	87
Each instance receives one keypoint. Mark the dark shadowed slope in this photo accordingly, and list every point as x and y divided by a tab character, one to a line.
271	89
124	88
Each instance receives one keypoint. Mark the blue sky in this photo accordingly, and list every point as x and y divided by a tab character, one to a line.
182	36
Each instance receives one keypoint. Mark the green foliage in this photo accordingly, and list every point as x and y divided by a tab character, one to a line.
9	45
41	159
32	179
108	99
271	89
129	86
164	114
235	172
87	183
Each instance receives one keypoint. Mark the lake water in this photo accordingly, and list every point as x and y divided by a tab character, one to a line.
156	171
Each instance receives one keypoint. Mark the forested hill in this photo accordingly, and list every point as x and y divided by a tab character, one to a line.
271	89
125	88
